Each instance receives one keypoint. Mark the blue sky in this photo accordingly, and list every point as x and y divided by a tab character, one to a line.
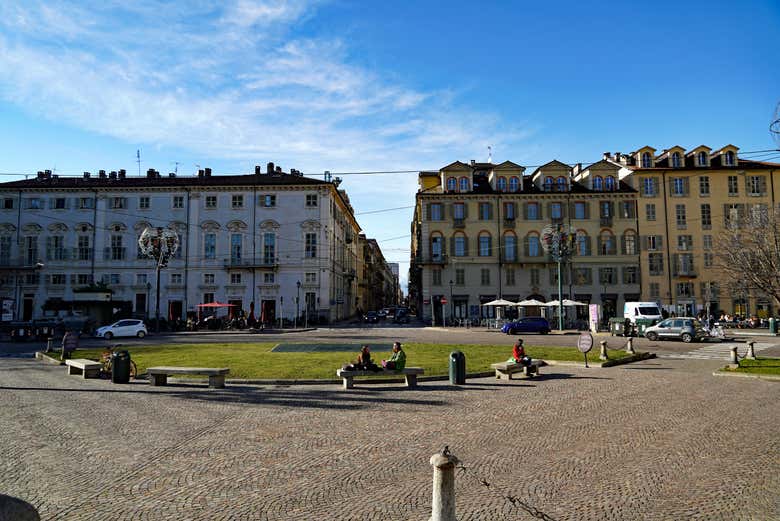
351	86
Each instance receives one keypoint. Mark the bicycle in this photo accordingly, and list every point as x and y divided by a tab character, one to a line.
716	332
106	361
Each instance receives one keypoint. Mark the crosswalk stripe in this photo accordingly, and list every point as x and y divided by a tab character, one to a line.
720	351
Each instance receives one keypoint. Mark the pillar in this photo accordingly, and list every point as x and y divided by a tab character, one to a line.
443	486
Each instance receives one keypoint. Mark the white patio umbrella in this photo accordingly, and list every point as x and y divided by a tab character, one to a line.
499	302
530	302
566	302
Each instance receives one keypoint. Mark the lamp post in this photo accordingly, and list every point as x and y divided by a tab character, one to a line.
159	244
297	303
452	304
557	241
148	289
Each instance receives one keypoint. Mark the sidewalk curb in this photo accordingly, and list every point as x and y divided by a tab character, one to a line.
757	376
43	357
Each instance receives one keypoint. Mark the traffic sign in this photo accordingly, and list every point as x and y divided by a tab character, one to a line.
443	300
585	342
427	301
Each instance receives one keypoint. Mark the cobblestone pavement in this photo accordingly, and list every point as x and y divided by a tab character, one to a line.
657	440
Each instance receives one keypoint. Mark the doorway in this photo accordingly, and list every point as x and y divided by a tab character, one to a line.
175	309
27	307
267	311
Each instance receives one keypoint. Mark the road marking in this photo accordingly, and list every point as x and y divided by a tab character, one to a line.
721	351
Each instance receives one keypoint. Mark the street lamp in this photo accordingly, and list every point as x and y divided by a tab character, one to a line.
148	289
297	303
557	241
452	304
158	244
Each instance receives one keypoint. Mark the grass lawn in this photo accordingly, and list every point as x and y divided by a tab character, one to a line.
759	366
257	360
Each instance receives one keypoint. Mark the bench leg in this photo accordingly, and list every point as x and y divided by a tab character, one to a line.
217	381
501	375
91	373
159	379
347	382
411	380
72	370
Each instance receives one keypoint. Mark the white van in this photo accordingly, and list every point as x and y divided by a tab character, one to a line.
635	310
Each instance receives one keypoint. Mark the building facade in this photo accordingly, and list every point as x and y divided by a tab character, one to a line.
279	244
377	284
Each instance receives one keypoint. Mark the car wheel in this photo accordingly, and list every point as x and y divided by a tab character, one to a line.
687	338
108	335
651	336
141	334
544	331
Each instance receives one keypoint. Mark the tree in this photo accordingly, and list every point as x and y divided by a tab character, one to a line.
749	251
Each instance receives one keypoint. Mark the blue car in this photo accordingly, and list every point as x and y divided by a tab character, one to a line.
527	325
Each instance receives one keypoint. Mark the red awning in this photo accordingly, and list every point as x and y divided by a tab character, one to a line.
216	305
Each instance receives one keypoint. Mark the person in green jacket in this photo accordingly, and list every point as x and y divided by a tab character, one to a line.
398	360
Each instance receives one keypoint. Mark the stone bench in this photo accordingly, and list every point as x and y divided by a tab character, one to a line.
505	370
86	368
159	375
409	373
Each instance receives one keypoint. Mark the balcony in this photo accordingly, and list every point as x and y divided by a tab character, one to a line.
458	224
260	261
606	221
23	263
432	259
509	223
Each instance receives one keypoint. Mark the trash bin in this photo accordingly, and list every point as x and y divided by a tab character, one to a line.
772	326
457	368
642	324
616	326
120	367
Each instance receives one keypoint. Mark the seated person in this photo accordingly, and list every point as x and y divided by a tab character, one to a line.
363	362
398	360
518	353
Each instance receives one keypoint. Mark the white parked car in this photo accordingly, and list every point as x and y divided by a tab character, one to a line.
127	327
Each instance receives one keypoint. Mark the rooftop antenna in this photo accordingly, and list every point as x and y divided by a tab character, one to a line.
176	169
490	154
138	160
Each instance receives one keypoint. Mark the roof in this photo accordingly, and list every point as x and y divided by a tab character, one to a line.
554	162
742	164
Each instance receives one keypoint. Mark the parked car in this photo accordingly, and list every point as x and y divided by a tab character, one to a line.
401	316
126	327
381	314
527	325
370	317
686	329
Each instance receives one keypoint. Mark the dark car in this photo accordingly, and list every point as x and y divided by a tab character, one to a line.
527	325
401	316
371	317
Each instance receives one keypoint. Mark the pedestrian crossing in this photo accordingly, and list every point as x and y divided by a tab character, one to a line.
720	351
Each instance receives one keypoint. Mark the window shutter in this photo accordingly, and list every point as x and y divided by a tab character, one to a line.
465	246
762	183
675	264
428	211
541	213
525	211
659	241
612	209
526	248
588	250
549	208
72	279
643	242
747	184
686	185
623	245
443	247
564	210
587	210
465	210
490	246
490	210
452	244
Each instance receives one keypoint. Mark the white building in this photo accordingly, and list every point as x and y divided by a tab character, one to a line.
280	243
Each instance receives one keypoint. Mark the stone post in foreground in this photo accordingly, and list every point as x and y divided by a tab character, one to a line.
630	346
603	353
443	486
751	354
733	356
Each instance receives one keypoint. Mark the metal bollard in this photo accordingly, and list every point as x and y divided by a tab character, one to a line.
630	347
751	355
443	486
603	353
733	355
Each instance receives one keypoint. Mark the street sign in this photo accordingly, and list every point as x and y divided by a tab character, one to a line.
585	342
443	300
427	301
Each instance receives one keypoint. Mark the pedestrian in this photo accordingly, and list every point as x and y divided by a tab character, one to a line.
70	342
518	353
397	360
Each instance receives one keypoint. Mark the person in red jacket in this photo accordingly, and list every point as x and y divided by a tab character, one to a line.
518	353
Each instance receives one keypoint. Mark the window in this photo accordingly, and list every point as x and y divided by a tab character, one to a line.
510	277
210	246
556	211
605	209
707	242
460	276
554	276
704	185
437	248
459	211
235	278
650	186
32	279
485	211
57	279
533	246
268	200
514	184
237	202
452	184
7	203
176	279
208	279
607	276
627	210
31	250
510	248
532	212
702	158
236	243
141	279
311	200
706	216
685	242
583	276
708	260
580	210
32	204
647	160
115	278
684	289
676	160
485	245
118	203
609	184
143	202
117	251
268	278
177	202
509	211
650	211
728	158
629	243
436	275
269	248
82	279
436	212
464	184
5	250
208	298
534	276
680	218
310	277
733	185
678	187
460	246
55	248
86	203
501	184
211	201
733	214
607	243
598	183
655	263
655	290
655	243
59	203
310	248
561	184
630	275
485	276
582	245
548	184
756	185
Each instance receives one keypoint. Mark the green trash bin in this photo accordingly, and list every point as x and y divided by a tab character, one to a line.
772	326
457	368
642	324
616	326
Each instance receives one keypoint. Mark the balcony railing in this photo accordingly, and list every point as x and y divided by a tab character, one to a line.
260	261
432	259
509	223
458	223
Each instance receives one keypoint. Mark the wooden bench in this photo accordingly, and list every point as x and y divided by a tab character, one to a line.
86	368
505	370
159	375
409	373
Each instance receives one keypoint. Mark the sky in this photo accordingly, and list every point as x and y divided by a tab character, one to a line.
364	86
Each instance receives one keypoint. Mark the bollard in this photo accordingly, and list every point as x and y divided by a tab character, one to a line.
751	355
734	359
49	345
603	353
443	486
630	347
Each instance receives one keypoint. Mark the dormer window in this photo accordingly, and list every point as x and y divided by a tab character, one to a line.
561	184
452	184
464	184
598	183
702	158
502	184
609	183
647	160
728	158
514	184
548	184
676	160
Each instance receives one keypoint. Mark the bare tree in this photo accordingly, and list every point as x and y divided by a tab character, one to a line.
749	252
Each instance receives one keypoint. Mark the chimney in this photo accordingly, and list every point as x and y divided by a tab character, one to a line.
102	174
150	173
200	173
207	172
112	174
616	157
86	175
605	156
122	173
258	170
171	174
278	169
270	168
473	162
